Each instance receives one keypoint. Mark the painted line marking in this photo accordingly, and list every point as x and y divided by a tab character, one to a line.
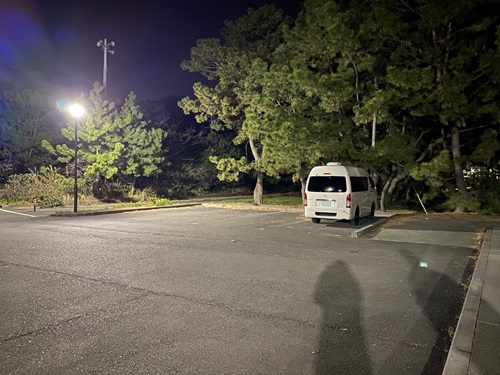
287	224
265	213
17	213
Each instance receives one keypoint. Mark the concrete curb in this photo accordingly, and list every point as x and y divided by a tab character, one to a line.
117	211
358	233
460	352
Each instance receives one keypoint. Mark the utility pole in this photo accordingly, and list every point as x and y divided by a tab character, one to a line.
105	46
374	122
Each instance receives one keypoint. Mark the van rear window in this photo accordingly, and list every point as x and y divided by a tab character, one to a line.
327	184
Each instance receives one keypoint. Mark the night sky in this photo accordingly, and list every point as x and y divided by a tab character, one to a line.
55	41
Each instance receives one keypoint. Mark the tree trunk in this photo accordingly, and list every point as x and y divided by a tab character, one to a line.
388	189
408	194
457	165
384	193
303	187
258	192
394	183
374	122
132	187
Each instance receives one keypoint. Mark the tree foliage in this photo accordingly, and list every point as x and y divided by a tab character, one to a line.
26	118
441	58
407	89
113	143
394	86
237	63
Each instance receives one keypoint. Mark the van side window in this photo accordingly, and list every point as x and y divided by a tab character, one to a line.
359	184
327	184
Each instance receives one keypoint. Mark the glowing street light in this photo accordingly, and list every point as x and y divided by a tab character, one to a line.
76	111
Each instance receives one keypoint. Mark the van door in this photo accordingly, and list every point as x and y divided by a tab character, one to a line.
360	194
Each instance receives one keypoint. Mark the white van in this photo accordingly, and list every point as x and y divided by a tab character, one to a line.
338	192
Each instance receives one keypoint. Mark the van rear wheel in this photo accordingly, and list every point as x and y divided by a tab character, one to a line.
371	215
315	220
355	221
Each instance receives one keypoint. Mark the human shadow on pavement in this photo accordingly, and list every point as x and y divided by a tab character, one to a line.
441	297
341	342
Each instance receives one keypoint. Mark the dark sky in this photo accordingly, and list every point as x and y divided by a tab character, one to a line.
55	40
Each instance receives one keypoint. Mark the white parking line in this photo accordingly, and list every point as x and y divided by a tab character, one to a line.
287	224
17	213
265	213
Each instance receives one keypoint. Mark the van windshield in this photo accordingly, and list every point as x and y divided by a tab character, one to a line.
327	184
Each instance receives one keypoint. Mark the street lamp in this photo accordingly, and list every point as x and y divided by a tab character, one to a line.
105	46
76	111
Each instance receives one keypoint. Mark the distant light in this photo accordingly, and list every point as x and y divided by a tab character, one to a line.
76	110
61	104
423	264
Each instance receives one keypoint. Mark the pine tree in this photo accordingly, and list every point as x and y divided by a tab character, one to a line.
113	144
236	64
26	118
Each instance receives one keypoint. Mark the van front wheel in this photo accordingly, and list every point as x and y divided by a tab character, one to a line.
355	221
315	220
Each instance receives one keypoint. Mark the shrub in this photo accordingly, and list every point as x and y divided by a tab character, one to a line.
154	201
47	187
16	190
118	191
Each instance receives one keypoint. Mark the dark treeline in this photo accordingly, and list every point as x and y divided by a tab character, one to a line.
405	89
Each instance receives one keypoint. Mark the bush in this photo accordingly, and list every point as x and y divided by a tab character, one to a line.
47	187
467	204
117	191
17	189
489	197
154	201
485	188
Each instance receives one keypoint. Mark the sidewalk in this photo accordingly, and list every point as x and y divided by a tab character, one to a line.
475	349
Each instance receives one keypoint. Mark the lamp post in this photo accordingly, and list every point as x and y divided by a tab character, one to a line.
76	111
105	46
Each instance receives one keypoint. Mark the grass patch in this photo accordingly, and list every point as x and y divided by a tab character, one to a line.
152	202
276	201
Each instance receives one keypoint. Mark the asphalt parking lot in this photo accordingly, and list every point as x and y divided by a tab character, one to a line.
207	290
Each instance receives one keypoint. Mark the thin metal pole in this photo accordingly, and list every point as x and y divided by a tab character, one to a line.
374	129
105	69
418	196
105	46
75	192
